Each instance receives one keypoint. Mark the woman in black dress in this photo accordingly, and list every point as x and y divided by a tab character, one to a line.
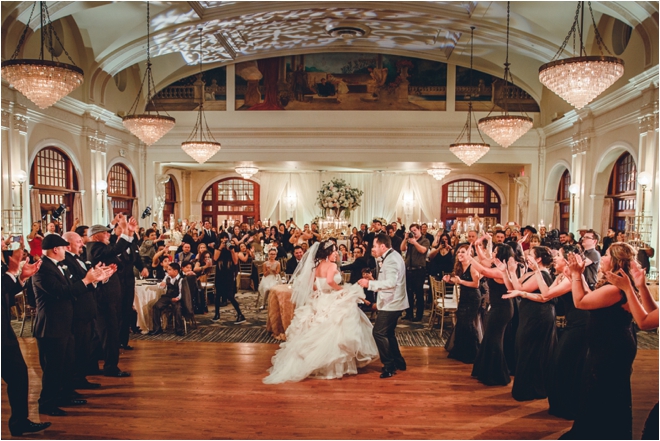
605	408
225	277
490	364
565	375
464	341
536	335
645	314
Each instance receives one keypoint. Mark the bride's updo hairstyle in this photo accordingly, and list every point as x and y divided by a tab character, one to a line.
326	248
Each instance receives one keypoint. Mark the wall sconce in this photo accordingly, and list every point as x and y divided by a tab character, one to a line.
573	189
20	176
644	179
102	186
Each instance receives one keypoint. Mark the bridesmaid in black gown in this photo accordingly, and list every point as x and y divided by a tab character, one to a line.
536	336
605	408
490	365
570	352
645	314
464	341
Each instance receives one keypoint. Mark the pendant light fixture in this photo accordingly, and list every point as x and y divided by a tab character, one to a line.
469	152
247	171
201	145
44	82
505	129
579	80
438	173
147	126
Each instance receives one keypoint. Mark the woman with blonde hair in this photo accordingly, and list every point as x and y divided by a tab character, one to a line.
605	408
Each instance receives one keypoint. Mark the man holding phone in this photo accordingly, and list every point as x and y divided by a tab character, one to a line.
415	247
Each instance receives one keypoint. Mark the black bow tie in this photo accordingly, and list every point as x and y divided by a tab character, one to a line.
61	264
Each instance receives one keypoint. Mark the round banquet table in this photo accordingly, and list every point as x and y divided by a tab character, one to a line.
146	295
280	311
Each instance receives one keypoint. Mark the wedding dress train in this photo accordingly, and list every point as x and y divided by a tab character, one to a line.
329	337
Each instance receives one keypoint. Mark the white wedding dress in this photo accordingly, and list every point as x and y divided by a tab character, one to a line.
329	337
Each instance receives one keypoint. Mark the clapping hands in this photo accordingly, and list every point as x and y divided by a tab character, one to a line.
575	263
619	279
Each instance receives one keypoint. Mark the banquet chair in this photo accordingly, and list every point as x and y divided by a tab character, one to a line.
24	310
260	273
244	273
437	285
345	277
208	286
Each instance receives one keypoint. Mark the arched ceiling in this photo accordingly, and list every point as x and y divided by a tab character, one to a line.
241	31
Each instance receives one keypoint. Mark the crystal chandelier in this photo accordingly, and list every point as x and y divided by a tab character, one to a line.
438	173
42	81
201	145
505	129
469	152
247	171
148	127
579	80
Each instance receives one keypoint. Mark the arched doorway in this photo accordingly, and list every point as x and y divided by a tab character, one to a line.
622	189
170	198
53	176
468	198
121	190
231	199
563	202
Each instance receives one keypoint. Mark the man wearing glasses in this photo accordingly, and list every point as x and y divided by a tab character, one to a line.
591	257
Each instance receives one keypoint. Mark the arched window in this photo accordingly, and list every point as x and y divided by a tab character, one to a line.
170	198
231	198
465	198
121	190
623	191
564	201
52	174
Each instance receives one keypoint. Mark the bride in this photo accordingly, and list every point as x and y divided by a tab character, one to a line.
329	335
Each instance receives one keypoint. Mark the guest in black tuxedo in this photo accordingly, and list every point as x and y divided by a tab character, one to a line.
84	313
358	268
210	237
55	292
292	263
14	369
396	240
130	259
109	294
368	240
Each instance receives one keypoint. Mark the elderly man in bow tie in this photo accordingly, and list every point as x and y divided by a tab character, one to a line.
55	292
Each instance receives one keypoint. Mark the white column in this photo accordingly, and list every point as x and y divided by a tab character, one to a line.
648	162
19	161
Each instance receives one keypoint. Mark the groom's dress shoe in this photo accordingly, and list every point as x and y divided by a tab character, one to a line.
401	367
27	427
387	374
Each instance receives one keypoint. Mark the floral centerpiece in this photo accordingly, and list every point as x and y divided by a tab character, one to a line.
339	197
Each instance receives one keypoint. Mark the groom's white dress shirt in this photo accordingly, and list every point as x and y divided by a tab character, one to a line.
391	283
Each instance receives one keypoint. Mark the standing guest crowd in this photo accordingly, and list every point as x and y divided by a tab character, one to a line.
513	283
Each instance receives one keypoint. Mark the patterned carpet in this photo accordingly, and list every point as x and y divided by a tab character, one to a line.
254	329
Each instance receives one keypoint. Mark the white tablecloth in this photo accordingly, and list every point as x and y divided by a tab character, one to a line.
145	297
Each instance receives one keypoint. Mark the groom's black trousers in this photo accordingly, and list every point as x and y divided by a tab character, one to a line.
388	347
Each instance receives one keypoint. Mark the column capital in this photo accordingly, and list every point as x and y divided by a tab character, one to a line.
581	144
648	122
6	119
21	123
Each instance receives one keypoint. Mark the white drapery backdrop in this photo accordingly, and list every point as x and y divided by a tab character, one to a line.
383	195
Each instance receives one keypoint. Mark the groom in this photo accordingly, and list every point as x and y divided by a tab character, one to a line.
392	300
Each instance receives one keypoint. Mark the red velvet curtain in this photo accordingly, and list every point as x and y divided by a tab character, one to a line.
269	69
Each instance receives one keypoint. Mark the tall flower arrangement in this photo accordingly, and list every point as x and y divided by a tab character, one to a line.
339	197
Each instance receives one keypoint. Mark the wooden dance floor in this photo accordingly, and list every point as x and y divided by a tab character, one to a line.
188	390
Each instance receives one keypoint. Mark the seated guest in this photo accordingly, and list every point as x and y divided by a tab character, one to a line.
185	255
203	264
355	241
292	264
245	254
361	262
173	283
281	253
160	263
344	253
149	246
